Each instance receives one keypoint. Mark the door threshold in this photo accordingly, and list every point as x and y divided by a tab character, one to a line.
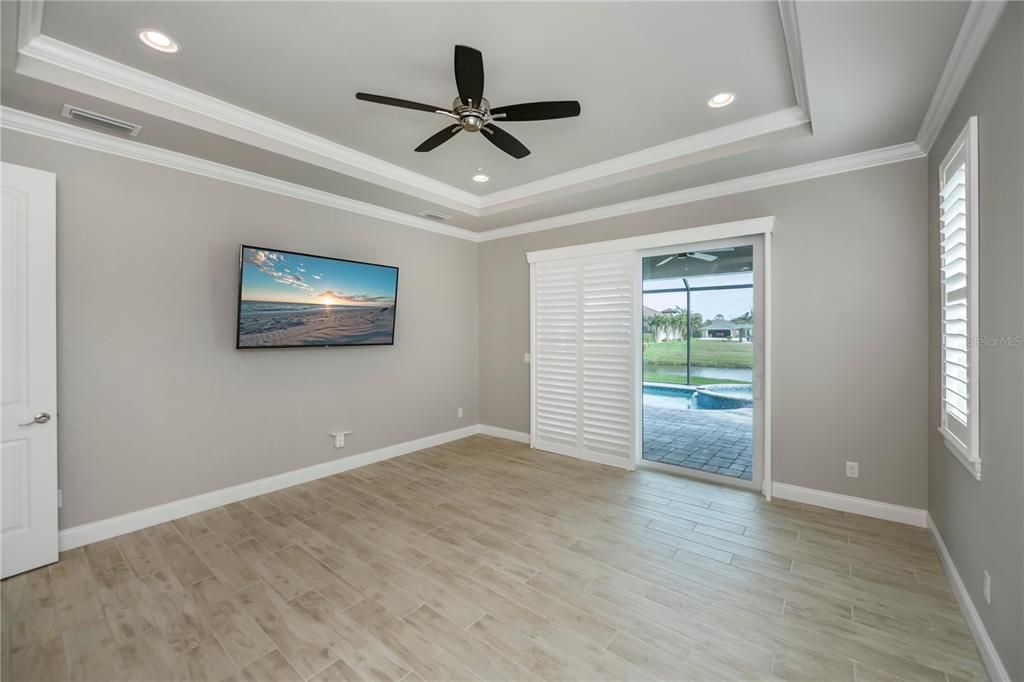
696	474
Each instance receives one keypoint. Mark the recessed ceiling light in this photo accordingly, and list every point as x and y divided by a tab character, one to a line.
481	176
158	40
722	99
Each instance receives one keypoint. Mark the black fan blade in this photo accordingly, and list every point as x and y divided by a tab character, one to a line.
536	111
469	74
395	102
438	138
505	142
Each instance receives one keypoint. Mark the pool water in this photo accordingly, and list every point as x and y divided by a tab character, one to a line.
710	397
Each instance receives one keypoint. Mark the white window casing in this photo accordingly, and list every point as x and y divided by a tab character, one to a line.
958	282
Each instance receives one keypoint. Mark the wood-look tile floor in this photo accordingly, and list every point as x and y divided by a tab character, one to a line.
483	560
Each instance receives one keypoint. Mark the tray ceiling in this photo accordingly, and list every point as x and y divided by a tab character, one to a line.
863	72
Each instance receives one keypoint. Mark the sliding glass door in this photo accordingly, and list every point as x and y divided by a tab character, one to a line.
701	332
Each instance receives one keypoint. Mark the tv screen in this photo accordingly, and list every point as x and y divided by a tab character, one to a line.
293	300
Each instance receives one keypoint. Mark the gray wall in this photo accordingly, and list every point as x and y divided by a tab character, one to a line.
850	324
982	522
155	402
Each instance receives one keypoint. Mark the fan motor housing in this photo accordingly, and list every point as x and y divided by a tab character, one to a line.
472	118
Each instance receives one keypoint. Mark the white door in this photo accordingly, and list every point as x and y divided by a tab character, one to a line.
28	385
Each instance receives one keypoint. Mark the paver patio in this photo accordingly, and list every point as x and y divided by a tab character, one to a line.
715	441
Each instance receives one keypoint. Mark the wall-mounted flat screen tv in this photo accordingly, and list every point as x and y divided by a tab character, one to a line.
295	300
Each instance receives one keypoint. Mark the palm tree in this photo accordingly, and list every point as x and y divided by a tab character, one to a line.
745	318
696	323
748	319
658	323
678	321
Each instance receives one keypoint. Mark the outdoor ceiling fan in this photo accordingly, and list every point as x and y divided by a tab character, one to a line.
699	255
473	112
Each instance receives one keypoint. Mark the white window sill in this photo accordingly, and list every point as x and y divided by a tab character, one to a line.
972	464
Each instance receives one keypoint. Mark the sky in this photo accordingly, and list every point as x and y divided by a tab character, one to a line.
289	278
730	303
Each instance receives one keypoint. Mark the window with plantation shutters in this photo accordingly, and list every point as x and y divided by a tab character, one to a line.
958	243
582	357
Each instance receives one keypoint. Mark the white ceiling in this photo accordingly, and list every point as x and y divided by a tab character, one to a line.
642	72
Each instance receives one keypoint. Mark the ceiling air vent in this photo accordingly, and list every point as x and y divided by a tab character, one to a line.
113	125
435	216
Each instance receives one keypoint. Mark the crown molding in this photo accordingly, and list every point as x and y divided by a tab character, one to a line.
40	126
71	67
68	66
978	24
795	50
31	124
782	176
664	157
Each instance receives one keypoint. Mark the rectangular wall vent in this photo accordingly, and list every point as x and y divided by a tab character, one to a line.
109	123
435	216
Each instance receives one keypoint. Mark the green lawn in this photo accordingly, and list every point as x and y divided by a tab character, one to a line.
706	353
681	379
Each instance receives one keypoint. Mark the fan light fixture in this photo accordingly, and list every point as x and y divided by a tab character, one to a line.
722	99
158	40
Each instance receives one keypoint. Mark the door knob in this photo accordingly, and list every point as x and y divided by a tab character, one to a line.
40	418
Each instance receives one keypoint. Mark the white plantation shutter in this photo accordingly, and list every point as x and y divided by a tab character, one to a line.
583	355
556	356
606	378
958	230
954	287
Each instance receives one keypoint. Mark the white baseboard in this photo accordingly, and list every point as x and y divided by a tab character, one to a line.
853	505
989	656
151	516
509	434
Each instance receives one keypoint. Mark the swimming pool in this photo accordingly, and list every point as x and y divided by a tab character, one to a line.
710	397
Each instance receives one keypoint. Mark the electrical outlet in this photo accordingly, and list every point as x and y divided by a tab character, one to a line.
987	589
460	413
852	470
526	358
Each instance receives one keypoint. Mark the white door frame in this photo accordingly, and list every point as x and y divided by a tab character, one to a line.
28	475
760	303
763	226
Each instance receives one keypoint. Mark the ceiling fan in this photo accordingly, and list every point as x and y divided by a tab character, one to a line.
473	112
699	255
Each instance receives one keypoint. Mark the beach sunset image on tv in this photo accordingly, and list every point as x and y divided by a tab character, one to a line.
290	300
